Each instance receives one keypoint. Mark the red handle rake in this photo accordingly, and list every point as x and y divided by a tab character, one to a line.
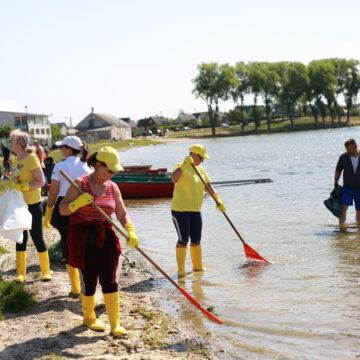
110	221
250	253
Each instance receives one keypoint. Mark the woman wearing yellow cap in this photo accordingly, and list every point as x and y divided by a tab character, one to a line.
186	206
93	246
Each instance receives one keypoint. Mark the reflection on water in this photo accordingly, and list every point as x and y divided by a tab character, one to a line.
306	304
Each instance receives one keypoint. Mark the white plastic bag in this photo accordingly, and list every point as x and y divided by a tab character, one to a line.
14	215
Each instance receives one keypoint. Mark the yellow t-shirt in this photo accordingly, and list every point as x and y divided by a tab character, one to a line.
23	172
189	190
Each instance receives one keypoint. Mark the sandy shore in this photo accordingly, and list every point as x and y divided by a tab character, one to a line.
53	329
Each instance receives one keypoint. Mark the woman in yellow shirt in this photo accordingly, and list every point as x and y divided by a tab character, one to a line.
29	180
186	206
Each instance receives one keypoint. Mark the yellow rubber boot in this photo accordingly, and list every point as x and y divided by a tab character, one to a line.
44	265
112	304
20	266
196	258
90	320
74	280
180	257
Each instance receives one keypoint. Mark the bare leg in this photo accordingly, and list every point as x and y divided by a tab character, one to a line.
342	218
358	216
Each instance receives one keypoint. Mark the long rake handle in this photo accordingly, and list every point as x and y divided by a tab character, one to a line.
110	221
217	203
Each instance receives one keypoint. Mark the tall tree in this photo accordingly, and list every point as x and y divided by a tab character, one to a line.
239	91
322	82
269	88
256	79
351	85
294	82
212	84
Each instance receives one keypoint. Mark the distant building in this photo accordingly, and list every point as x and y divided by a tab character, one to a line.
37	125
106	126
190	117
63	128
145	124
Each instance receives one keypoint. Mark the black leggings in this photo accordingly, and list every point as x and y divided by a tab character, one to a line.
36	231
60	223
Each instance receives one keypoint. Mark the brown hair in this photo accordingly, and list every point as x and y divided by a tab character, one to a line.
83	152
349	142
91	161
22	138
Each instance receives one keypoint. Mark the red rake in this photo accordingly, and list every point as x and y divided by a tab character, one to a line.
250	253
110	221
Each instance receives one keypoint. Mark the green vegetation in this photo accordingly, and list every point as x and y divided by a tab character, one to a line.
13	297
158	326
286	88
3	250
121	144
301	124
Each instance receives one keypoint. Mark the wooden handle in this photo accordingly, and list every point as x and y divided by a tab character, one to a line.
111	222
217	203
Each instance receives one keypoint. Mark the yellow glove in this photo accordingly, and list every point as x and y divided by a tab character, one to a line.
47	217
187	161
82	200
22	187
221	205
133	240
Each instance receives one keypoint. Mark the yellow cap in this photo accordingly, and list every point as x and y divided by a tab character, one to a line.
200	150
110	157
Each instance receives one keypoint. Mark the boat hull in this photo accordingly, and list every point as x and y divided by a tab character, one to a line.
145	190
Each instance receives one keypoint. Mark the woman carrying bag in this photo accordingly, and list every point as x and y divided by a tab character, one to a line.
93	246
30	179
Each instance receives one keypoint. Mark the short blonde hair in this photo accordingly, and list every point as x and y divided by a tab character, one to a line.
22	138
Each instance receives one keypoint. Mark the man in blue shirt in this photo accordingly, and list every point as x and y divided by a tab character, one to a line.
348	163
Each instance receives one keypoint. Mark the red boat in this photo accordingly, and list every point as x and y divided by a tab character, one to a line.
145	183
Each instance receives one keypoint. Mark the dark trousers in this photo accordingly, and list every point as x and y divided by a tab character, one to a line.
36	231
100	263
188	224
60	223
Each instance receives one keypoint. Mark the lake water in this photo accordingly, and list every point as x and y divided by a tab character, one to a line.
306	304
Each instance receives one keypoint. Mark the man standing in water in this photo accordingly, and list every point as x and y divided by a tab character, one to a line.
349	163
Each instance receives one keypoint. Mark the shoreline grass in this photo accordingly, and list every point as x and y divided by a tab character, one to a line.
300	124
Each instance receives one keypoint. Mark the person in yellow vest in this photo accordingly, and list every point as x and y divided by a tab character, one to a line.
29	180
186	206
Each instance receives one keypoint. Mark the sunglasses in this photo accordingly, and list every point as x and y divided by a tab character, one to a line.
104	165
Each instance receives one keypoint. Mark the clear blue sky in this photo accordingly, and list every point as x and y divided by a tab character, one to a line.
137	58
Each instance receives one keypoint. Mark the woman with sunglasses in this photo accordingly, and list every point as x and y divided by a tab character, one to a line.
75	166
186	206
93	246
29	180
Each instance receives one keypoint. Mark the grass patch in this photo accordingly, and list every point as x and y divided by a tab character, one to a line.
121	144
14	297
3	250
300	124
4	185
157	328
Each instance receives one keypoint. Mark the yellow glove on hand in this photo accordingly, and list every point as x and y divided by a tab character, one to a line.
82	200
22	187
187	161
221	205
47	217
133	240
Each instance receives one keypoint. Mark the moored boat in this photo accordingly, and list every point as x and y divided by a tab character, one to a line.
152	183
157	183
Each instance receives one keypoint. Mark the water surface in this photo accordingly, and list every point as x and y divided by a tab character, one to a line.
305	305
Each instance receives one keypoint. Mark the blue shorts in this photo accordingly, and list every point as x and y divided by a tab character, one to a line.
349	195
188	224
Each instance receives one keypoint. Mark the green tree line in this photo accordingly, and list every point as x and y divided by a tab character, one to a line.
319	86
